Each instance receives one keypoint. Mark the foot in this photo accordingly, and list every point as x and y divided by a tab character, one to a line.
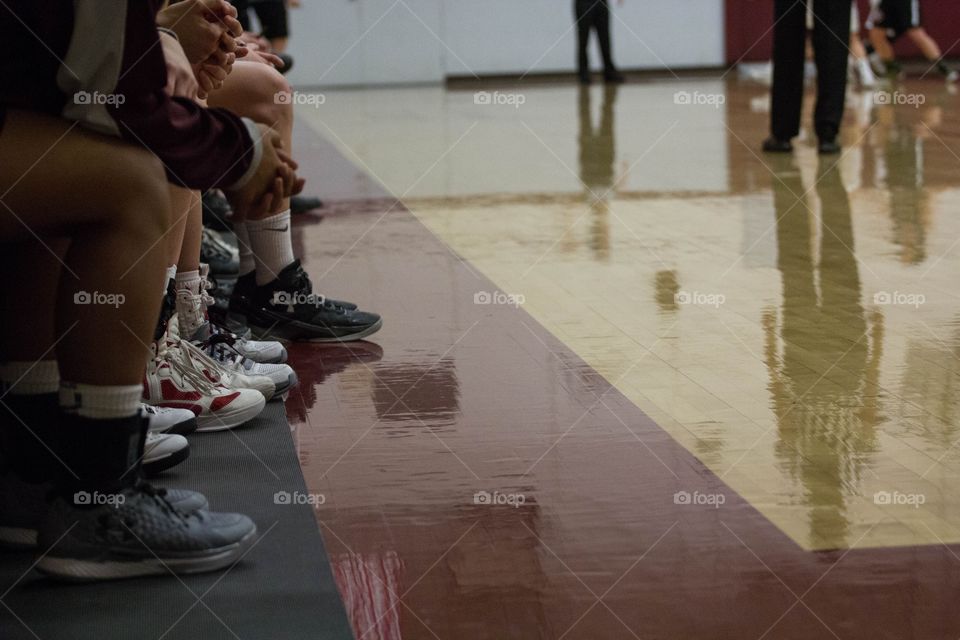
585	79
828	146
776	145
614	77
302	204
180	422
173	380
288	309
163	451
23	506
229	359
138	533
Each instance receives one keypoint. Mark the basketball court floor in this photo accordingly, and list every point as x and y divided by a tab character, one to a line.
636	379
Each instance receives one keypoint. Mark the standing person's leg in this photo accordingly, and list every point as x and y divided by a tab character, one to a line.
786	95
610	72
274	21
581	12
830	36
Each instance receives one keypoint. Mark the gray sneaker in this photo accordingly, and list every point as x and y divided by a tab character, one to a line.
137	532
23	506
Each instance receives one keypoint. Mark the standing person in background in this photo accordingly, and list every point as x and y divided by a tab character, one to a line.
272	15
890	19
594	14
831	32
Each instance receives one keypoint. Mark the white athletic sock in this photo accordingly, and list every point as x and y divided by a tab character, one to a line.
29	378
189	280
100	402
171	274
272	245
247	263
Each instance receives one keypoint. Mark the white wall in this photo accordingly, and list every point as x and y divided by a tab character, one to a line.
359	42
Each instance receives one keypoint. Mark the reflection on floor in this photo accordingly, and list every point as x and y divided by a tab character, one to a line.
790	321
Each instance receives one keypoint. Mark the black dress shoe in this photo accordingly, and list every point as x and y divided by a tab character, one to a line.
302	204
585	78
776	145
614	77
287	62
827	147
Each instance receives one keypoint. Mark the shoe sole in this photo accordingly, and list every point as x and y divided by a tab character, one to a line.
16	538
280	393
158	465
299	332
223	420
184	428
74	570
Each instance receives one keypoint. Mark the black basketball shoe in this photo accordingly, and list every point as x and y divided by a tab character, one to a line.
287	309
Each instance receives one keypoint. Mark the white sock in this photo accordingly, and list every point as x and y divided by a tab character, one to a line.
243	243
100	402
189	280
29	378
171	274
272	245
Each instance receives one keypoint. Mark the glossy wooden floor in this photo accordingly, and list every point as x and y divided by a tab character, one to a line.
714	390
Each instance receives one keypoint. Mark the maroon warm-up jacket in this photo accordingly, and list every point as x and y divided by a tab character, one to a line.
100	63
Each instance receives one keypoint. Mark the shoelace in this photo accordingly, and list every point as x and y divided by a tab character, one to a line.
220	347
202	363
160	496
173	355
302	284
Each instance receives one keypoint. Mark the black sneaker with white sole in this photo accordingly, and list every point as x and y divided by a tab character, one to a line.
287	309
136	532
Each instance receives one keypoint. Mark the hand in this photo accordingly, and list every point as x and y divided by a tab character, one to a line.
273	180
181	81
212	72
200	25
265	57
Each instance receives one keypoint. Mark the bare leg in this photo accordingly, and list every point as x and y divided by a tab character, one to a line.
880	43
929	46
111	199
186	250
250	91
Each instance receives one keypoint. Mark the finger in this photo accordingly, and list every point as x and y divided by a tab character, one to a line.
233	25
298	186
287	159
274	59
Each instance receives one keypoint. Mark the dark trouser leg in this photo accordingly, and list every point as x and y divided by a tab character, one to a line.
831	32
786	96
601	21
582	13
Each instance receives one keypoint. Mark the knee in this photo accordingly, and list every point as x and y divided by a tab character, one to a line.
270	108
142	205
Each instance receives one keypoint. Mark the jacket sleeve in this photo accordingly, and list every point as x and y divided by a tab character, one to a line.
201	148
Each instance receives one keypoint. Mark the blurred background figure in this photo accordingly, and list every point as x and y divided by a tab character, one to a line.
595	15
890	19
272	16
831	32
